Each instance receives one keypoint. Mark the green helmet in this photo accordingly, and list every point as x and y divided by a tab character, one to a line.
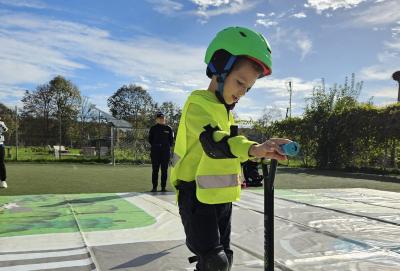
242	41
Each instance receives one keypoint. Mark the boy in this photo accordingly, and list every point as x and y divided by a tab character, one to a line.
3	176
207	155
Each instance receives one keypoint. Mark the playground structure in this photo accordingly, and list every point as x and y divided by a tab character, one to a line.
116	127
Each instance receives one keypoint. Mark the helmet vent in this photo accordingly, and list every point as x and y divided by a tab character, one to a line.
243	34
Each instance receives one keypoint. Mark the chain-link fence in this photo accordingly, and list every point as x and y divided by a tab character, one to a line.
100	138
130	145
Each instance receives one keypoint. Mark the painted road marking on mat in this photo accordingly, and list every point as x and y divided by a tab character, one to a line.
51	259
47	266
25	215
35	242
386	199
40	255
342	226
168	226
348	256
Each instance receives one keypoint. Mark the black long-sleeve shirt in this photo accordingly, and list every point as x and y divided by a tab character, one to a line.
161	136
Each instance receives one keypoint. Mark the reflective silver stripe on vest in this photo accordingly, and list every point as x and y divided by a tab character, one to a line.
218	181
175	159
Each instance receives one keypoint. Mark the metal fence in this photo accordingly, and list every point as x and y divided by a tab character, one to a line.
100	138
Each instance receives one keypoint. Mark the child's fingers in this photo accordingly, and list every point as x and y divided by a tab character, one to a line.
273	146
280	141
275	155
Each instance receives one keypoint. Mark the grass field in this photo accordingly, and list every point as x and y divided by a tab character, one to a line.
43	154
59	178
55	178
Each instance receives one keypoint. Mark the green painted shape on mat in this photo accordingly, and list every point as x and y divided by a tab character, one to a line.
306	196
298	195
39	214
276	191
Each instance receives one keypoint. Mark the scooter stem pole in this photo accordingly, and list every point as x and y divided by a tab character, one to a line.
269	178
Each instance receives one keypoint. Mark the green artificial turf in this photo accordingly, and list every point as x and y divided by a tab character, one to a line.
55	178
65	178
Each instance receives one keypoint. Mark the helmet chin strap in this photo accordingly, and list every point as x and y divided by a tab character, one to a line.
221	76
220	92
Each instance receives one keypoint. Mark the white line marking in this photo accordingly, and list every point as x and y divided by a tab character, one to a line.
39	255
46	266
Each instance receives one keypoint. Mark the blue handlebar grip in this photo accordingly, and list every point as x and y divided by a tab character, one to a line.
291	149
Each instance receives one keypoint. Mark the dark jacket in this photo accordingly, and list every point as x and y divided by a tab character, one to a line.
161	136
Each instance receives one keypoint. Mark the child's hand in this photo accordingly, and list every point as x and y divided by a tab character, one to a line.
269	149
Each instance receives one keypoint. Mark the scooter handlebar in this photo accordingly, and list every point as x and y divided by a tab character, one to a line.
291	149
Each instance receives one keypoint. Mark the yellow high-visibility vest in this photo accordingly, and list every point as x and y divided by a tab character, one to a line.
217	180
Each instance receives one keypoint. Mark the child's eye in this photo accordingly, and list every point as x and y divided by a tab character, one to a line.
242	85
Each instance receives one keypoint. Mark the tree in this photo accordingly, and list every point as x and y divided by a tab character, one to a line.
66	100
262	125
84	115
39	104
132	103
321	109
172	113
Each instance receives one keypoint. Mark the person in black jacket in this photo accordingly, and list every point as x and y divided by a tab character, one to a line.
161	138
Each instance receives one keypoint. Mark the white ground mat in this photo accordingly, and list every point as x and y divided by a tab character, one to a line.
316	229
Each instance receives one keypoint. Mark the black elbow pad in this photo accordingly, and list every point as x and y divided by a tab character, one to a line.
216	150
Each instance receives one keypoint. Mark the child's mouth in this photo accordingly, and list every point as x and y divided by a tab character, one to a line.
235	99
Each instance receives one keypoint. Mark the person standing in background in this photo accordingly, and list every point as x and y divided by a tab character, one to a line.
161	138
3	176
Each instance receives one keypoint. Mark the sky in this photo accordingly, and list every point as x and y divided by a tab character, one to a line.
160	45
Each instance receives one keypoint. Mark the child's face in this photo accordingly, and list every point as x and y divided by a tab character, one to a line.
238	82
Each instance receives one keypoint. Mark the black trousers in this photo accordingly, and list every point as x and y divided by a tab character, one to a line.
207	226
3	174
159	158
